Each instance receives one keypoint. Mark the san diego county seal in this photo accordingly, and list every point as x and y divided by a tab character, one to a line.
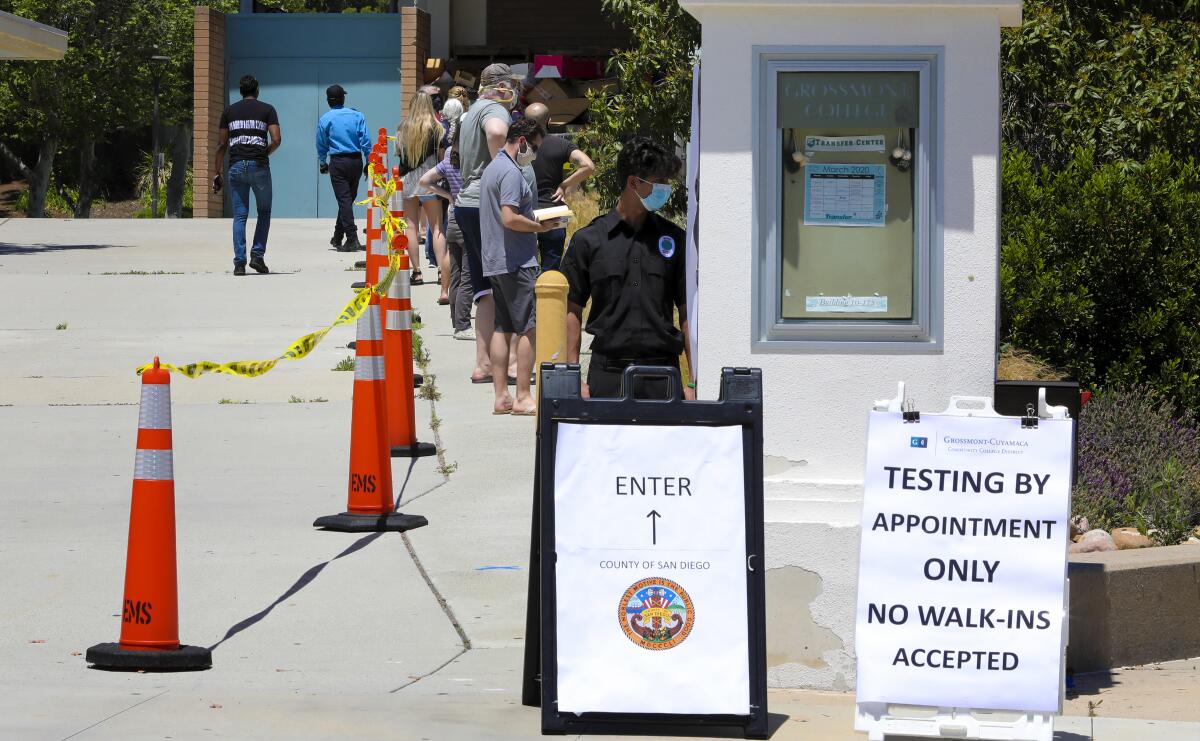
656	614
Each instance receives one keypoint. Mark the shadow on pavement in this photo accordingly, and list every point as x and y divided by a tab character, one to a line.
8	248
1090	683
308	576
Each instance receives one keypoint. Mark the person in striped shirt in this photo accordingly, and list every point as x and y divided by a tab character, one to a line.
243	133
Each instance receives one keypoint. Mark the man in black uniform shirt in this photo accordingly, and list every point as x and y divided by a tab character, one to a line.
630	263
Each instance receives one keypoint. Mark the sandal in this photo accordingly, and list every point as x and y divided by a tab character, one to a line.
415	279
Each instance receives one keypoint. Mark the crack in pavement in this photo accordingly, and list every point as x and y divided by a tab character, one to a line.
102	720
414	680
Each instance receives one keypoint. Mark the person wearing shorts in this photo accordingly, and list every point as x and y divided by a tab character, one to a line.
508	234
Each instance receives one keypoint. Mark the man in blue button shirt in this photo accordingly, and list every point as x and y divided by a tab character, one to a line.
342	146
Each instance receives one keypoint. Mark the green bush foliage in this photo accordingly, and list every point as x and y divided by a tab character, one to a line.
1100	269
655	93
1122	76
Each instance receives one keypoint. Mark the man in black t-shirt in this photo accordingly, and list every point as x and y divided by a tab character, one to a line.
630	264
244	128
552	157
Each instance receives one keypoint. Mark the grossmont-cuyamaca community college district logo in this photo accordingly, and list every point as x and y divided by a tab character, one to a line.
656	614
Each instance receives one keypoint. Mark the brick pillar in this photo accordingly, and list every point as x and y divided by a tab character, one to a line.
208	101
414	50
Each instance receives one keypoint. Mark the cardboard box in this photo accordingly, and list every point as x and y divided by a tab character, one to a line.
548	90
464	78
434	69
565	110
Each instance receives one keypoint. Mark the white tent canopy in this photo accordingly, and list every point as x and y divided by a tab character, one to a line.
21	38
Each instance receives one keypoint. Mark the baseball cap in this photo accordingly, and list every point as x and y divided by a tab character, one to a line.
496	73
335	91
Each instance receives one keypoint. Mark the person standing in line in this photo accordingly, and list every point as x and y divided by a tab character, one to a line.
417	140
509	234
446	180
554	154
630	264
242	133
342	147
482	132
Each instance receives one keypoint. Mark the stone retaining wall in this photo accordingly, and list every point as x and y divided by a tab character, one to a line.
1134	607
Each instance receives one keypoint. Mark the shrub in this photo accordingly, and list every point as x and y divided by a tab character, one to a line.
1100	270
1138	464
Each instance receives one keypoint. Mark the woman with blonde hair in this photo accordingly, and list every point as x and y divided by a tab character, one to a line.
417	140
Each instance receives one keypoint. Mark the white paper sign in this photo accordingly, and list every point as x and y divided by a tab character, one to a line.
868	143
845	304
963	562
651	609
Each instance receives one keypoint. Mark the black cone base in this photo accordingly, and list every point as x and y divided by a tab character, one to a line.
349	522
112	656
418	380
416	450
358	284
361	265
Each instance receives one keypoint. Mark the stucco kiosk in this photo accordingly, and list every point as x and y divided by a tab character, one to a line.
848	239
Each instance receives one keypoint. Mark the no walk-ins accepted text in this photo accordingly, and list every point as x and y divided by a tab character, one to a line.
963	562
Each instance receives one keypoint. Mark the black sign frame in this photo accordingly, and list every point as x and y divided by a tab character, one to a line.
560	400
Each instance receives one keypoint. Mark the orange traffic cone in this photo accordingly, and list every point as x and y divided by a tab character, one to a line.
398	362
150	613
369	502
376	247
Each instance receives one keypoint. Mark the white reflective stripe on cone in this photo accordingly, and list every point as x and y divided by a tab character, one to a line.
368	324
154	413
401	284
378	246
368	368
153	465
399	319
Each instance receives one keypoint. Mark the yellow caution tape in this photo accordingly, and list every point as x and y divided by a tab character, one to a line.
306	344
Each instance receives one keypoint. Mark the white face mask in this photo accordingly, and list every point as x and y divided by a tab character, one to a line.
505	97
525	156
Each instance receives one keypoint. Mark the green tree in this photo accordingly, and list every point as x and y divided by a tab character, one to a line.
1119	76
655	93
103	84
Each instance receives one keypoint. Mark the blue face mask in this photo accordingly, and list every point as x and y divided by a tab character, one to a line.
660	193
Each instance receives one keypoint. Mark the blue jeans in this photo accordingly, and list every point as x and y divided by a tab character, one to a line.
244	175
550	246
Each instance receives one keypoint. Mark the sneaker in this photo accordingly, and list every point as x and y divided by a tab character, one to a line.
464	334
239	269
258	265
350	246
336	242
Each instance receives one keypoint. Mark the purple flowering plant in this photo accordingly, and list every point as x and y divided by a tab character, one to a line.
1138	464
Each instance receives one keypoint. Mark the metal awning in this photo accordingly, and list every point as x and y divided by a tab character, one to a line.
21	38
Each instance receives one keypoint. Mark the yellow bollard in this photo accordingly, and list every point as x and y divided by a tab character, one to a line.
550	332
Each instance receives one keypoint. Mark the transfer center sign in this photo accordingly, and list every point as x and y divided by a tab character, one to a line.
963	562
650	536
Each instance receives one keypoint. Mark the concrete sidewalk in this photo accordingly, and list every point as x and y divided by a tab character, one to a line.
314	635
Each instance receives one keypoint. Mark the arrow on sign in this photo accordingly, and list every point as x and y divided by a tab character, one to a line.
654	526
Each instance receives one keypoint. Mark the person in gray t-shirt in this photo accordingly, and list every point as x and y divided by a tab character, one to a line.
509	234
482	132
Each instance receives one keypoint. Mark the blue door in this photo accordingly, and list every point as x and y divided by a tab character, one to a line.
287	85
295	56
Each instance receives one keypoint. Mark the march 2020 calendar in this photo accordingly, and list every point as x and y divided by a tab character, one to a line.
845	195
